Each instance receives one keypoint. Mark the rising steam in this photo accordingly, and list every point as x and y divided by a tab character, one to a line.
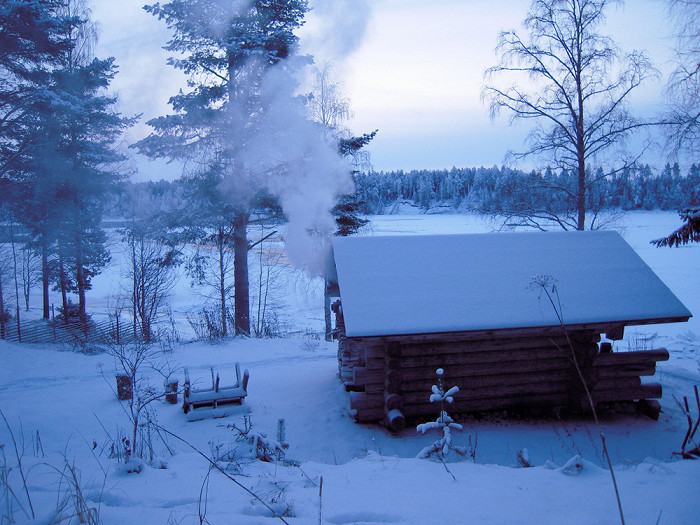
336	28
293	160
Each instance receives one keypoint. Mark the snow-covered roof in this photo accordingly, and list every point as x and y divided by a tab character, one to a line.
455	283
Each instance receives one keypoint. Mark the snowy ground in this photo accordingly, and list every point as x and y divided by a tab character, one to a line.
61	407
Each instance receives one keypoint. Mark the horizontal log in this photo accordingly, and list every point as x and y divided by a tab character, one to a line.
448	360
362	400
349	366
354	345
393	349
575	332
394	383
366	415
616	383
484	381
486	345
462	374
375	363
498	391
627	358
625	370
374	349
392	401
458	372
550	400
621	363
362	375
375	388
647	391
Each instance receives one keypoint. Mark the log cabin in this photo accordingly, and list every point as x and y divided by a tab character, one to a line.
511	318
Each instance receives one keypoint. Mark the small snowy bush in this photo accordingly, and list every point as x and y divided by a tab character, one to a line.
442	446
251	445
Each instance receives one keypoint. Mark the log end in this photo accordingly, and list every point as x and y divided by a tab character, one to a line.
394	420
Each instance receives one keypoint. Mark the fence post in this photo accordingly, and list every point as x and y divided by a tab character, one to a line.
116	314
19	328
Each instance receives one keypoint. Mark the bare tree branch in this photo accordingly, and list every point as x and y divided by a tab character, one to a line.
579	87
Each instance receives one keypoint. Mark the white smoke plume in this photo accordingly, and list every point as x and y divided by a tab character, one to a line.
335	28
281	148
291	157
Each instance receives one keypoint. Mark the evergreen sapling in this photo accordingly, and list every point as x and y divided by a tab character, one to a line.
442	446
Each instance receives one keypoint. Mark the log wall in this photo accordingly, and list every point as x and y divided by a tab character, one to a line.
390	379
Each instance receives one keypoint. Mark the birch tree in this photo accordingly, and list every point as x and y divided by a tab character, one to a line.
575	84
684	84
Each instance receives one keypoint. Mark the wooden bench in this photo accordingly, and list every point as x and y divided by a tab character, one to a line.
207	402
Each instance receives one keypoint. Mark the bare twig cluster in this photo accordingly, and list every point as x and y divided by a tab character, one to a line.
689	439
547	284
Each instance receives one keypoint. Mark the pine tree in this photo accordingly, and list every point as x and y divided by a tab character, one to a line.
72	167
689	232
31	41
227	49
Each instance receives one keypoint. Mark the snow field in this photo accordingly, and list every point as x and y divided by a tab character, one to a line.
369	475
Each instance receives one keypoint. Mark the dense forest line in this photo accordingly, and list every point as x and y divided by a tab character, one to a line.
504	189
489	190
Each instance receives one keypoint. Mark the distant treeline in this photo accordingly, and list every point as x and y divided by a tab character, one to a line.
499	189
483	189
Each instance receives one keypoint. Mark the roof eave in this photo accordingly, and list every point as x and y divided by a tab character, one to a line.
608	327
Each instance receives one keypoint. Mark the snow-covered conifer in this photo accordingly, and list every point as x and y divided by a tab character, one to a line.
442	446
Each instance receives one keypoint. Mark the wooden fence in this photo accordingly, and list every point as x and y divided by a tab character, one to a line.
73	332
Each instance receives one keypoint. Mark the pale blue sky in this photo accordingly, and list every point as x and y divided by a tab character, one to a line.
412	69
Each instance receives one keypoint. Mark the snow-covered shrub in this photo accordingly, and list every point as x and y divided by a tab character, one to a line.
129	360
272	500
442	446
5	314
310	341
71	312
208	323
251	445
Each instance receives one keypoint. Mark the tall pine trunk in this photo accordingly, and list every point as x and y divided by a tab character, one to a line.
2	311
240	275
62	281
80	274
221	246
145	315
45	276
327	310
